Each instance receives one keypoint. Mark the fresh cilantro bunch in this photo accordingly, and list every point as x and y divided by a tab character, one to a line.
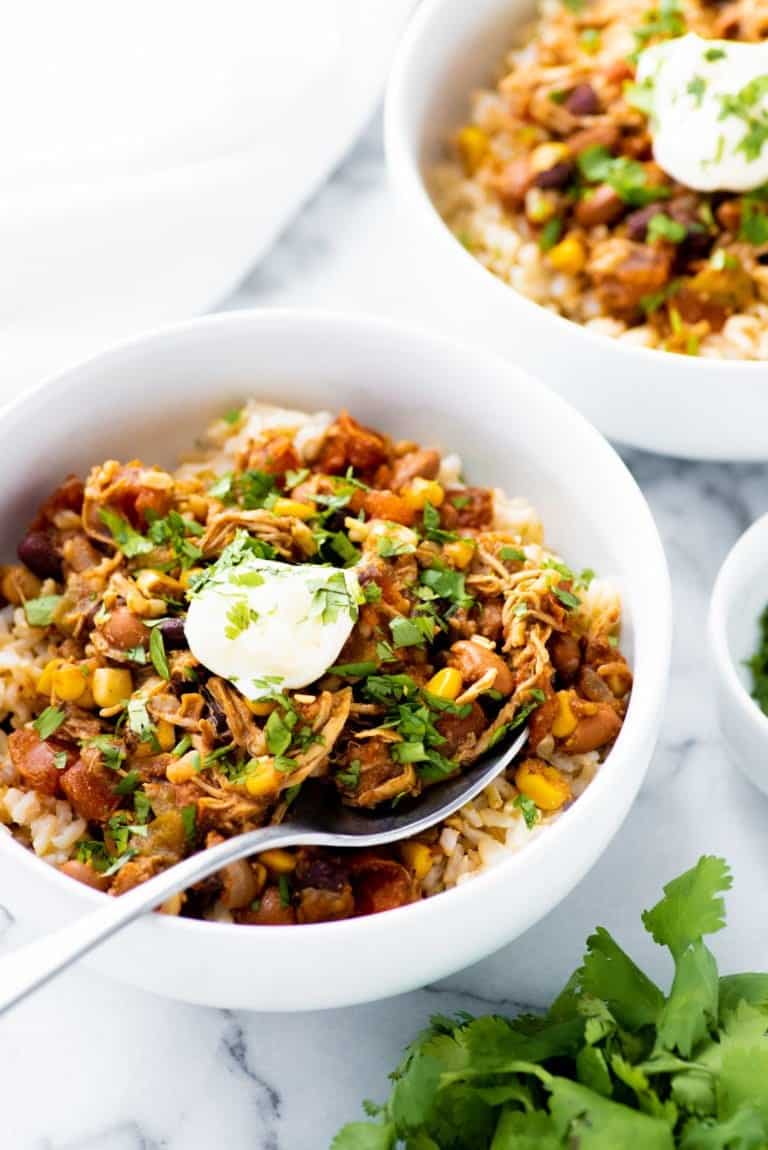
614	1063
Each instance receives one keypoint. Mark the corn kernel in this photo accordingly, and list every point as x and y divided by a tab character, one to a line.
173	904
460	553
259	873
183	769
45	682
187	576
156	583
263	780
472	143
68	682
545	785
278	861
417	857
540	206
165	733
565	722
111	686
546	156
420	491
568	256
147	608
18	584
198	507
446	684
294	508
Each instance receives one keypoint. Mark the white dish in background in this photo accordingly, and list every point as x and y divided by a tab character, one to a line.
739	598
511	432
680	405
155	152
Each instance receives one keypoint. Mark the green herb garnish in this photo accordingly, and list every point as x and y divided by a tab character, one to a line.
49	721
157	653
129	541
628	178
40	611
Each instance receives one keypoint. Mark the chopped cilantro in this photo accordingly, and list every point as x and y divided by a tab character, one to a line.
278	731
60	760
129	541
157	653
136	655
139	721
40	611
667	21
172	531
758	665
511	555
411	632
239	618
284	887
141	806
353	669
663	227
567	598
432	528
372	592
550	233
189	821
294	478
388	548
528	809
628	178
713	54
590	40
127	783
112	753
333	596
49	721
754	221
234	415
182	746
696	88
350	777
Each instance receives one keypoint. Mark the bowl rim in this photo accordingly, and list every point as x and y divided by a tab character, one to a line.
737	562
408	180
647	702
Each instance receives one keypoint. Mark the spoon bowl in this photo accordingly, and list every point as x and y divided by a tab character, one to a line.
316	818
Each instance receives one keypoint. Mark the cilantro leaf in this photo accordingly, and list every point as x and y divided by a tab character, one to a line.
157	653
608	973
129	541
691	907
49	721
365	1136
628	178
40	612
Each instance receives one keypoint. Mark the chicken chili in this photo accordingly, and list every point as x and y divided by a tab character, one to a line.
307	599
617	173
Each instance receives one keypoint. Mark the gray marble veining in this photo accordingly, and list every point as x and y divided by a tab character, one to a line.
123	1070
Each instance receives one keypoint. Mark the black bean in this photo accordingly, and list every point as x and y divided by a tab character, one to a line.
637	222
582	101
37	552
557	176
172	631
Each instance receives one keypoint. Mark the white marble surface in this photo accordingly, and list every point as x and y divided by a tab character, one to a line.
90	1065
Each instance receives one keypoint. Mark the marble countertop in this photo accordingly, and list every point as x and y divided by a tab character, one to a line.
117	1069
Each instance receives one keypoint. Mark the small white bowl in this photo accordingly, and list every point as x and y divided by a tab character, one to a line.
149	398
739	598
651	399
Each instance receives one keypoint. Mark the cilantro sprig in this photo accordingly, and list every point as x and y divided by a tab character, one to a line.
615	1062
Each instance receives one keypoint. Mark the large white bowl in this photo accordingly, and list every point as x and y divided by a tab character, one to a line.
698	408
149	398
739	598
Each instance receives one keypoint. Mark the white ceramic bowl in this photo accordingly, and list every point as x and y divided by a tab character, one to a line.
739	598
149	398
651	399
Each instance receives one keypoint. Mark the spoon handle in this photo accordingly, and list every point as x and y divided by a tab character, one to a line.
30	966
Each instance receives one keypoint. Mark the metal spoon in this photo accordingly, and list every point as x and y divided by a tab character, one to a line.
316	818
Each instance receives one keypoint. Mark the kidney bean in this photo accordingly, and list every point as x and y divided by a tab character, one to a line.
172	631
565	653
416	464
37	552
582	101
84	873
557	176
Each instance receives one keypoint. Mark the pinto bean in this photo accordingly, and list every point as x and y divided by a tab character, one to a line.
604	206
459	732
593	731
84	873
513	182
597	135
89	791
489	618
565	653
473	661
124	630
416	464
582	101
34	760
38	552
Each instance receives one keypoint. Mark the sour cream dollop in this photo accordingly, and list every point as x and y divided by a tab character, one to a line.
266	625
708	103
